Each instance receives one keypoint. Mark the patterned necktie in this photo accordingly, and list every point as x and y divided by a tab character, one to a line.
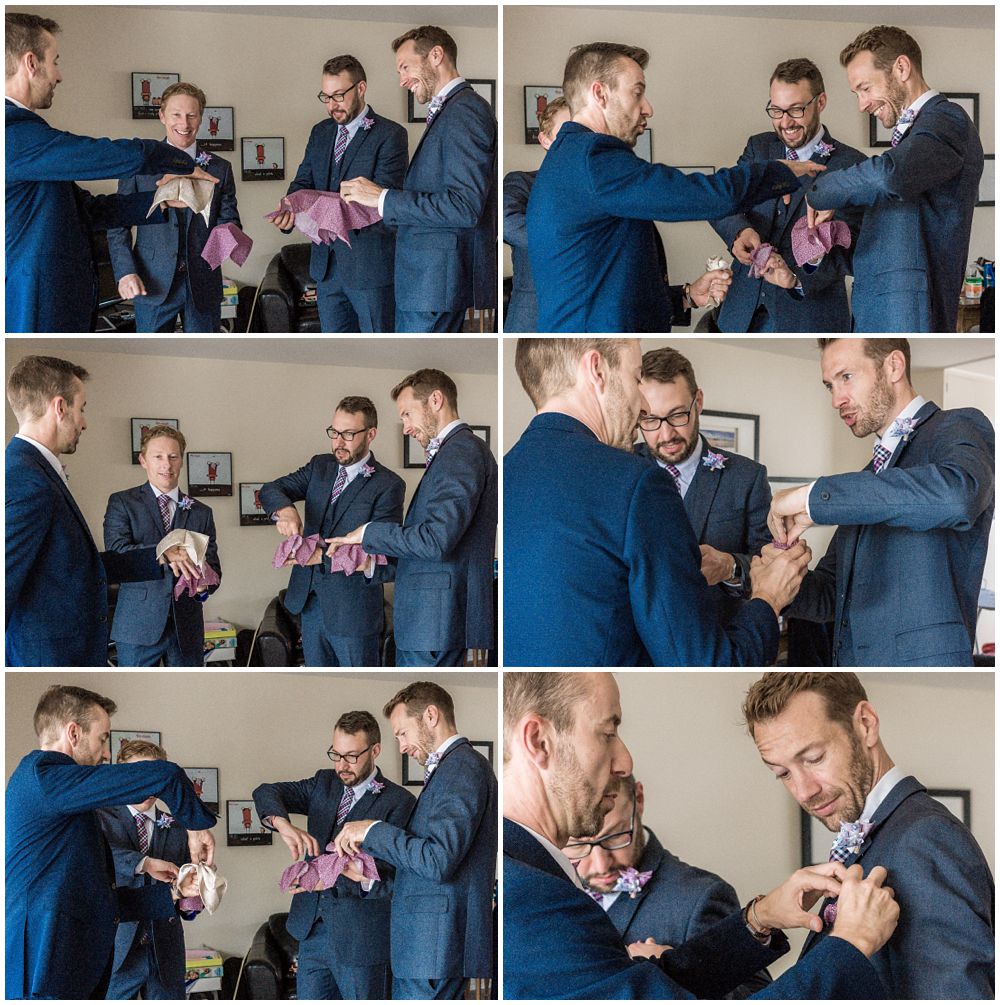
346	802
676	474
904	120
847	843
143	835
432	762
880	457
338	150
339	485
434	107
793	155
164	503
432	448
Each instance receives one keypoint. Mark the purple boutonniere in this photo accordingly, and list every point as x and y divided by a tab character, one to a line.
713	461
203	158
367	123
904	428
367	470
825	148
185	502
631	881
165	822
377	787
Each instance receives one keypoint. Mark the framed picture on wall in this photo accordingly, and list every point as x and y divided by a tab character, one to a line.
243	826
988	182
141	426
416	111
263	158
218	129
484	747
536	99
120	736
210	474
413	772
957	801
252	512
644	145
879	136
206	785
147	90
413	454
697	169
779	482
735	431
483	432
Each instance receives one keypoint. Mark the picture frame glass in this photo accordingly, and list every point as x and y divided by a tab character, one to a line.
147	90
536	98
217	130
206	785
210	473
252	511
736	432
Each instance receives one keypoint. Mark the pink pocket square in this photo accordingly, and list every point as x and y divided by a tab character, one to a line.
324	217
759	259
297	547
226	241
809	244
351	557
209	577
324	871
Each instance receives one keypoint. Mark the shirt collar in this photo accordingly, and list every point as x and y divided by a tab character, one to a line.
450	742
891	442
561	860
687	468
355	124
191	151
921	101
449	87
14	101
806	151
48	455
354	469
882	788
149	814
440	436
174	494
362	787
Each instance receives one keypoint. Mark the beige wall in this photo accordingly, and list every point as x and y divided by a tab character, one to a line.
708	79
254	727
713	803
267	67
270	416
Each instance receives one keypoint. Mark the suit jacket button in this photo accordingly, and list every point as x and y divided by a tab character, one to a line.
104	619
825	496
118	921
843	624
101	582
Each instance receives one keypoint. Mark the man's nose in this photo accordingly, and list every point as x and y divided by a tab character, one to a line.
646	109
621	765
601	860
804	787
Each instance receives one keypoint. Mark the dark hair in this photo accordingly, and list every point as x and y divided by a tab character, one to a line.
666	365
345	64
596	61
37	380
26	33
886	44
354	404
878	348
191	90
547	366
360	722
791	71
162	429
64	703
425	382
425	38
767	697
140	748
418	695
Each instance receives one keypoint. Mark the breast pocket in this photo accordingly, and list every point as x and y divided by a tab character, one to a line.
427	270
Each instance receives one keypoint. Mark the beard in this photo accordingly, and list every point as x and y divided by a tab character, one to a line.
895	97
571	787
619	123
355	451
621	420
855	790
635	855
876	410
692	446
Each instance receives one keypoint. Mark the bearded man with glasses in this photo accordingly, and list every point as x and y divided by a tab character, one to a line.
343	931
342	617
789	297
726	495
649	894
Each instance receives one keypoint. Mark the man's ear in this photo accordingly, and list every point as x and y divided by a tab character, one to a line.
536	737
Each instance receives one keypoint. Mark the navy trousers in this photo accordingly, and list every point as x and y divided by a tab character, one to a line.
168	649
435	658
323	649
424	989
345	310
322	976
139	971
429	321
163	317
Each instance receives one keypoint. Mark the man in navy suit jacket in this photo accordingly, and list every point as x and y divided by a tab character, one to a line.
354	289
56	596
164	273
901	578
918	197
605	570
445	213
51	282
149	624
342	616
149	958
563	764
343	932
788	297
945	948
590	232
522	310
726	496
673	904
444	854
443	600
62	902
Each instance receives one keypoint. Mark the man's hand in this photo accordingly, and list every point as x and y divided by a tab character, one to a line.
779	274
788	518
201	845
286	221
716	566
353	873
353	538
788	905
799	168
348	841
361	191
711	286
778	581
189	886
180	562
130	287
314	559
649	949
197	174
816	216
746	243
867	912
300	843
289	521
165	872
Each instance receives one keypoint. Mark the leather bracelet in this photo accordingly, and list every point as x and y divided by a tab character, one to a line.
754	927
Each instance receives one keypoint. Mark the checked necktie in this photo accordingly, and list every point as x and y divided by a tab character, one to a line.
847	843
432	762
793	155
434	107
346	802
143	834
339	485
880	457
341	146
904	120
676	474
164	503
432	448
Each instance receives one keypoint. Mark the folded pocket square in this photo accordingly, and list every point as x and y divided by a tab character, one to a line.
195	544
226	241
324	217
207	578
297	547
759	259
211	886
809	244
195	193
350	557
324	870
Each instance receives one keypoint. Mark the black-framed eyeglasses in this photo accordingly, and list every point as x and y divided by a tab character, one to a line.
796	111
610	842
350	758
339	95
347	435
651	423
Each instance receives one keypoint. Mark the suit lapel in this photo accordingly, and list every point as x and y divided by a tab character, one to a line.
346	497
416	491
152	507
923	414
360	810
622	911
701	494
63	488
330	822
435	121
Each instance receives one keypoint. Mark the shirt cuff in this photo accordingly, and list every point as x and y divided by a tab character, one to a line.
367	884
808	494
368	830
381	201
141	866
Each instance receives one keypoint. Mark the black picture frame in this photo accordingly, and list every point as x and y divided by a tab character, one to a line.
206	786
244	829
948	796
534	95
413	452
484	747
221	118
147	87
258	150
879	136
413	772
483	432
644	145
252	512
140	425
416	111
739	427
204	475
119	736
988	182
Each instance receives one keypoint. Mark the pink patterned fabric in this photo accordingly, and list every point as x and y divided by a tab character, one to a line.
809	244
226	241
759	259
322	872
297	547
350	557
324	217
209	577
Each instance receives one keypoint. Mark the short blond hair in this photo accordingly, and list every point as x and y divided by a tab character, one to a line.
37	380
547	366
548	114
553	696
162	429
183	88
841	693
131	749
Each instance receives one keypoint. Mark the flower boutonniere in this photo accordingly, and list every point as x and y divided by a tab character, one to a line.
904	428
367	470
185	502
367	122
376	787
631	881
164	822
202	160
713	461
825	148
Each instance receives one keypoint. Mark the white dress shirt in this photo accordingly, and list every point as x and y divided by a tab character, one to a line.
880	791
14	101
353	470
173	495
557	853
687	469
806	151
915	108
48	455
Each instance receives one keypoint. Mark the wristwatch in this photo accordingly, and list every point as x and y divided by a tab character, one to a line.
754	927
